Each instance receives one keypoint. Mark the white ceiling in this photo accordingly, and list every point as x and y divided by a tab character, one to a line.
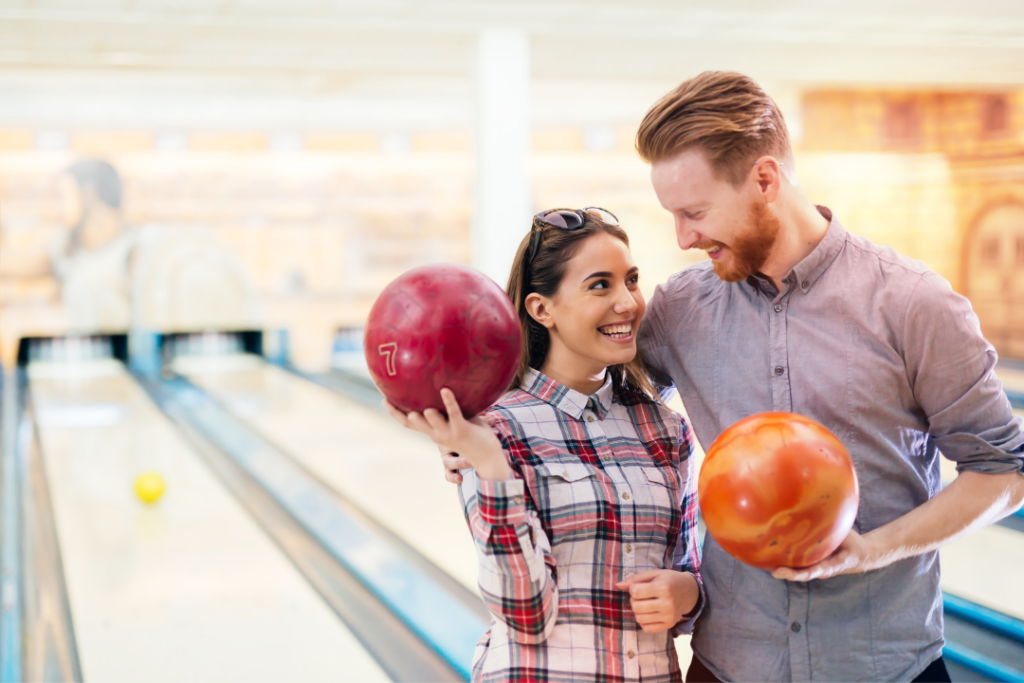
410	62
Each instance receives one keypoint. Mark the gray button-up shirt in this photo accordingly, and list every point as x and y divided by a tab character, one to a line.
880	350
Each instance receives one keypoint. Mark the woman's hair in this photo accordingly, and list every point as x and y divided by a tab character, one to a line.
544	276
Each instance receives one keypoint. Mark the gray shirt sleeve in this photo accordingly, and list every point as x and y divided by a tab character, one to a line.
951	369
651	345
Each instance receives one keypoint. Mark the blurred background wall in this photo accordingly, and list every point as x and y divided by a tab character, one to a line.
326	147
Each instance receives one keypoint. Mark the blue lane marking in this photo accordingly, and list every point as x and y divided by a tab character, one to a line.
979	663
987	618
10	545
441	620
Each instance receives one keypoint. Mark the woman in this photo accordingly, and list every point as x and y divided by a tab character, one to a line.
580	498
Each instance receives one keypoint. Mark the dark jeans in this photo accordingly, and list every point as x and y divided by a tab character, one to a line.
935	673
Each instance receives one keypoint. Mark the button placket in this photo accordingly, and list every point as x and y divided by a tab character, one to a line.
778	351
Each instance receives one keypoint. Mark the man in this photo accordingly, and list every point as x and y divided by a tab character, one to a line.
793	313
92	260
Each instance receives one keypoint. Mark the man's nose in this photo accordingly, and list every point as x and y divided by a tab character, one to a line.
685	236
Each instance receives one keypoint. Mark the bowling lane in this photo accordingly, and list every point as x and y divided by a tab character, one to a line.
392	474
188	589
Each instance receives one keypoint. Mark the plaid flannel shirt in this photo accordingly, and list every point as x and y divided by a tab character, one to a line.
603	489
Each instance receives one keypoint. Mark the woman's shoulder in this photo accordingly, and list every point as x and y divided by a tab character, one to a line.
651	415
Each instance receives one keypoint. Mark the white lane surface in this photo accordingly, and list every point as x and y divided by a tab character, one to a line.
393	474
187	589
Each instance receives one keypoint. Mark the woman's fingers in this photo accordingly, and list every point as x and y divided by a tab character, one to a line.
452	477
436	420
420	424
396	413
451	405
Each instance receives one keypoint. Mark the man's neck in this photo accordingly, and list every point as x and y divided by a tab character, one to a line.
801	229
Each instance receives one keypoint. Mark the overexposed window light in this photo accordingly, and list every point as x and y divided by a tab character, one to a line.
52	140
171	141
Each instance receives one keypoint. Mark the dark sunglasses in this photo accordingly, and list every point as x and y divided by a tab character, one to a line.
565	219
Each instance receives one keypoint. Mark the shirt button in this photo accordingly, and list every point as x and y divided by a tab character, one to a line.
631	654
625	496
779	370
805	284
778	308
518	500
590	418
629	548
794	627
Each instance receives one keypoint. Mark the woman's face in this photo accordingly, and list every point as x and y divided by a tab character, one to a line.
598	306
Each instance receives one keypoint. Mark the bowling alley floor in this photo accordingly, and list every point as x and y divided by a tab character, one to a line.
189	588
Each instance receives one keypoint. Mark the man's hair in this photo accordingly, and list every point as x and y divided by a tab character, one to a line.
724	114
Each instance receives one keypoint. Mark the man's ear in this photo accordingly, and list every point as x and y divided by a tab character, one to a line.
538	308
767	173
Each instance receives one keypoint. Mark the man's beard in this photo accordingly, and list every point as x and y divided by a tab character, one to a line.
749	250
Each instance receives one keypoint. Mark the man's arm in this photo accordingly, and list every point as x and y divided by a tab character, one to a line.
972	501
951	369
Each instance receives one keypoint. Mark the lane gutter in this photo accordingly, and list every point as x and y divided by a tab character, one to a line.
417	625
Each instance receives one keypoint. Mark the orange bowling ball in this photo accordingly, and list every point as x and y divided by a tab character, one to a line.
778	490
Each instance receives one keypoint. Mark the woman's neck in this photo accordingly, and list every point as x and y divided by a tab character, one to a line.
578	373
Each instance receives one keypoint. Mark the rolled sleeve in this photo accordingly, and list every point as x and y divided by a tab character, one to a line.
951	368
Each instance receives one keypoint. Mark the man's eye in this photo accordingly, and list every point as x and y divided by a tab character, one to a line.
694	216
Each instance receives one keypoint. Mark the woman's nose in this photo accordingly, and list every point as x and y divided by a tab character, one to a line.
626	303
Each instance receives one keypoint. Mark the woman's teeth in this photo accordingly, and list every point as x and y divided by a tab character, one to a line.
616	331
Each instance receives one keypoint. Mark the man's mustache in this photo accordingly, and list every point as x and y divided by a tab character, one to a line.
707	244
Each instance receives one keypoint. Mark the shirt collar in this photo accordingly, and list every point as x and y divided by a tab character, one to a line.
807	272
570	402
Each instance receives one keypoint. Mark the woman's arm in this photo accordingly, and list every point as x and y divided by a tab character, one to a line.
514	554
516	569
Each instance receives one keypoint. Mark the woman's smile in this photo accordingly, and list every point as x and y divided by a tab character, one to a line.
620	333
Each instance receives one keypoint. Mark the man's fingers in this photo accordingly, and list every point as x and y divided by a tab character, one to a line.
451	405
454	461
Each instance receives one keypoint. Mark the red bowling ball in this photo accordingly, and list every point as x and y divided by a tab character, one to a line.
443	326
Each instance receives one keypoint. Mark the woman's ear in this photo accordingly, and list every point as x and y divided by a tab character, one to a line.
538	308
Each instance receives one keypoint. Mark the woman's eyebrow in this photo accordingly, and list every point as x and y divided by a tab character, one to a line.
600	274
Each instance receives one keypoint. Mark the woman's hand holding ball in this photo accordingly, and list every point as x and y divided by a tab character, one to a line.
473	439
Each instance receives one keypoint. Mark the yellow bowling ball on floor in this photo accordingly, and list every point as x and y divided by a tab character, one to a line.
149	487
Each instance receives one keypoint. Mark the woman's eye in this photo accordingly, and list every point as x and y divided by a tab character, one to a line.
600	284
633	280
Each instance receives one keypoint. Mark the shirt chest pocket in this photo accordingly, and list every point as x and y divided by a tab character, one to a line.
654	498
572	498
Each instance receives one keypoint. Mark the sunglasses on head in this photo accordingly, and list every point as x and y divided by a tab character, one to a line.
565	219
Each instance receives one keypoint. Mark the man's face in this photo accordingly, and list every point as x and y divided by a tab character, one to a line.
732	224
